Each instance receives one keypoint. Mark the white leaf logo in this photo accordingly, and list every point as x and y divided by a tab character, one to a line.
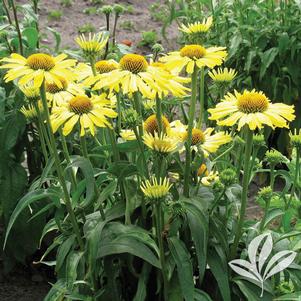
253	269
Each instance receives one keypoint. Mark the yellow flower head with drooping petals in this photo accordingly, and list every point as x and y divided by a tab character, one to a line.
30	112
191	56
31	93
101	67
222	75
59	95
162	144
88	111
93	45
151	124
197	27
155	189
134	74
127	135
207	142
210	179
37	68
251	108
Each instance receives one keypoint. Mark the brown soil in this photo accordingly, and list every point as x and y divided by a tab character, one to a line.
74	17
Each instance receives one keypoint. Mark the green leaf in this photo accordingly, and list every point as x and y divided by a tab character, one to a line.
73	260
63	251
201	296
198	225
32	37
106	192
141	293
220	273
87	170
128	245
184	266
272	214
57	292
28	199
267	58
289	297
57	37
252	291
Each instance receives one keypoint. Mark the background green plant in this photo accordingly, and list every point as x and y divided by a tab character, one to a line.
263	39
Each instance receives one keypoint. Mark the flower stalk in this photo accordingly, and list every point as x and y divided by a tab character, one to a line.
244	196
192	108
59	170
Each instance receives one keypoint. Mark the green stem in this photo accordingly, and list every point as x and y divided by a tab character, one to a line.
7	12
159	228
114	144
42	141
92	63
189	131
159	114
118	95
202	97
17	26
137	104
59	170
83	144
244	196
217	201
114	30
67	157
295	177
108	30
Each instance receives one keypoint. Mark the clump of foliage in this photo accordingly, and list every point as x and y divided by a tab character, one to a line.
149	38
55	15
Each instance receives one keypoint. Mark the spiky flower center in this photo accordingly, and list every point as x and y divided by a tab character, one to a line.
193	51
80	104
54	88
151	124
252	102
104	66
197	136
134	63
40	61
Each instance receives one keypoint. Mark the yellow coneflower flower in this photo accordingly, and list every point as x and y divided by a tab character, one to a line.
101	67
59	95
88	111
127	135
155	189
210	179
252	108
206	141
151	124
93	44
105	66
38	67
177	129
203	171
134	74
31	93
222	75
29	112
197	27
162	144
194	55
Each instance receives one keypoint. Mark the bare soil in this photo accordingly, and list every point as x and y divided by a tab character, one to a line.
74	17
